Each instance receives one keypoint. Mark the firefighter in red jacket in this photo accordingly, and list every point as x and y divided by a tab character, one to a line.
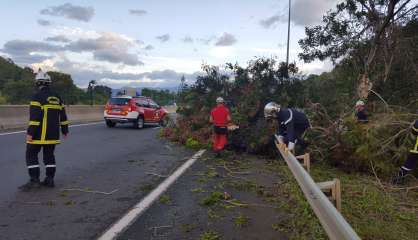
220	117
47	116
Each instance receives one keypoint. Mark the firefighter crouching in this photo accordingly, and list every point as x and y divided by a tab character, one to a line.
220	117
292	125
47	117
361	113
411	160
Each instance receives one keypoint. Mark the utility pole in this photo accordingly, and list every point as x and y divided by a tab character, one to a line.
288	40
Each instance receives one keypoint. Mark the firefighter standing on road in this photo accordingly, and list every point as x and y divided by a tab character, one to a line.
292	124
220	117
47	116
412	159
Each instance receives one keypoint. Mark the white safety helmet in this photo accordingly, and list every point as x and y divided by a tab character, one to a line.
271	109
359	103
42	77
219	100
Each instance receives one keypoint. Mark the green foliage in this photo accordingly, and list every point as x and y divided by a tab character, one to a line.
17	86
210	235
2	99
165	199
241	221
212	199
191	143
162	97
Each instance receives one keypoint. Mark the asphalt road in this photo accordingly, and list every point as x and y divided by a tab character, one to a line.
121	160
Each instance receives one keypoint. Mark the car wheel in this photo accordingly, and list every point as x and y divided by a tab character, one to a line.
110	124
139	123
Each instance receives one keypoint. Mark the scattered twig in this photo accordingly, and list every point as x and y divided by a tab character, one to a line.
239	204
232	172
155	174
377	178
89	191
156	229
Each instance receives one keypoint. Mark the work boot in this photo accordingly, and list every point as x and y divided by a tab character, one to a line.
32	184
48	182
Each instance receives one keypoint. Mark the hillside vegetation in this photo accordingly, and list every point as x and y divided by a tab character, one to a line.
17	87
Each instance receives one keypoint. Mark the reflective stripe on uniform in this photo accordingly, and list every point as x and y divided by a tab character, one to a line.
44	124
65	123
43	142
33	166
415	129
35	103
290	117
50	166
34	123
49	106
405	168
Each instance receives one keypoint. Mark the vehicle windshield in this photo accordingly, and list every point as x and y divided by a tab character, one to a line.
119	101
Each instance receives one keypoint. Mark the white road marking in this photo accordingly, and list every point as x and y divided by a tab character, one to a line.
71	126
123	223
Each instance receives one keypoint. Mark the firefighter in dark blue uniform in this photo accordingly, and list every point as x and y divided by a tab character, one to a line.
411	160
361	113
292	124
47	117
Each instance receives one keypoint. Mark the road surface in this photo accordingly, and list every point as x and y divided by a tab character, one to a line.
122	161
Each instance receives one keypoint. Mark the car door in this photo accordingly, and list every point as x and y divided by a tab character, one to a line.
143	105
155	107
149	112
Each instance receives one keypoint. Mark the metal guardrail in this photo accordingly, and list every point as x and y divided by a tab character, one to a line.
331	220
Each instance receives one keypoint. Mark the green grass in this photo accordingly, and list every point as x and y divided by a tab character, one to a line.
371	211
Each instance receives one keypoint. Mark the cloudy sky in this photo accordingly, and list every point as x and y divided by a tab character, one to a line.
151	42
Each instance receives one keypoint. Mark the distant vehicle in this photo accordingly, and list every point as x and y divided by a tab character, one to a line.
137	111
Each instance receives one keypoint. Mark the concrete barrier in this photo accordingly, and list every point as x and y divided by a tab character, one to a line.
17	116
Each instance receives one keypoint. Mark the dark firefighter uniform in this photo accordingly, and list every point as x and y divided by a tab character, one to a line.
362	116
47	116
292	125
412	158
411	161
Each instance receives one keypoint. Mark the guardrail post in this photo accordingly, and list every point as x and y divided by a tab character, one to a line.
306	161
334	187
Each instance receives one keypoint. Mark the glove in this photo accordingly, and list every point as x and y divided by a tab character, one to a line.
291	146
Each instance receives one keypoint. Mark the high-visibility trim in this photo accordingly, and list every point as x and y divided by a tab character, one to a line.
35	103
34	123
33	166
65	123
44	142
50	166
53	100
44	123
49	106
405	168
415	129
290	117
415	149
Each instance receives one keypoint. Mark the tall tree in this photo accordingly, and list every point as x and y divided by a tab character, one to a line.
359	28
